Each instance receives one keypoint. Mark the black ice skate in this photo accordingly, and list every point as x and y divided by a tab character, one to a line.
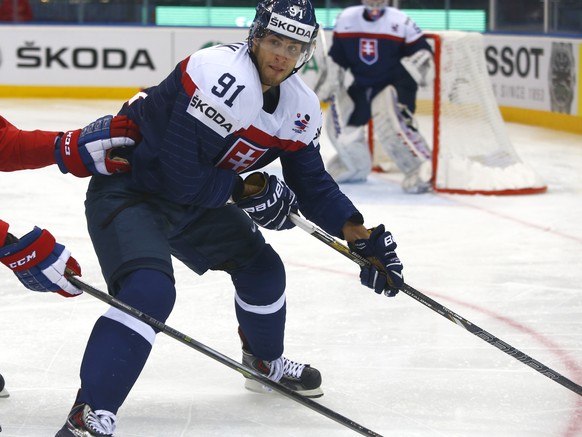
84	422
3	392
301	378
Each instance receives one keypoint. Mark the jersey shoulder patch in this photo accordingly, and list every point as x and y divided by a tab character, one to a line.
302	109
398	23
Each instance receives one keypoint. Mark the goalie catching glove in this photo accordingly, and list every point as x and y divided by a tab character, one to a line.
385	272
271	203
38	261
420	66
89	151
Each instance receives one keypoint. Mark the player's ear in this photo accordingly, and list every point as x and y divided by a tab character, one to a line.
255	46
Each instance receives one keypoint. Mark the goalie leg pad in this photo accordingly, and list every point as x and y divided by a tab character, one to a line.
419	180
396	130
352	162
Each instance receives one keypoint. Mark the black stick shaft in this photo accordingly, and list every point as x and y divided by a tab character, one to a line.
492	340
441	309
223	359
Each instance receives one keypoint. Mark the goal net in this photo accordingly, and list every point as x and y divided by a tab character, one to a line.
459	117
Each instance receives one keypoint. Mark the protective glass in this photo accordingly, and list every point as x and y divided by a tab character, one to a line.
297	51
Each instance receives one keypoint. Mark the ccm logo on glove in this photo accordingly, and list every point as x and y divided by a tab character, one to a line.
68	143
22	262
40	263
25	260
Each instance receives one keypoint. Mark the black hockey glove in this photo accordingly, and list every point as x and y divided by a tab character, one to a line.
270	207
385	273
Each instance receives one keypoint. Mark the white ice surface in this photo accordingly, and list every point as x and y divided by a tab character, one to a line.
511	265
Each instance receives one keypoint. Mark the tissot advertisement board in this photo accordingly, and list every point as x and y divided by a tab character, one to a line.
535	72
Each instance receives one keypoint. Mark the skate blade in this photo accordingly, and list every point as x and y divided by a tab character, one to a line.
257	387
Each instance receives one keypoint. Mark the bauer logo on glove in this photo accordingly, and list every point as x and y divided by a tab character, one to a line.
385	272
277	192
271	203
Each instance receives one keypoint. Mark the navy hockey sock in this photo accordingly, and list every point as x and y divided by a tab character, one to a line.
119	345
113	360
260	304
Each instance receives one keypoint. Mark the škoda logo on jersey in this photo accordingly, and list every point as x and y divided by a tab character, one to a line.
205	110
293	29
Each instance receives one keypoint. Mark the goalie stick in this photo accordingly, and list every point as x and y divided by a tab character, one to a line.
223	359
323	62
440	309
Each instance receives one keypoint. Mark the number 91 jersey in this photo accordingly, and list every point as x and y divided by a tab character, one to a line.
227	99
205	123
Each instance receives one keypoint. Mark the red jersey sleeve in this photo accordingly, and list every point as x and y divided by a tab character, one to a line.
20	150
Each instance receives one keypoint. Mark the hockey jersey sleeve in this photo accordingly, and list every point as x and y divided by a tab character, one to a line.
3	232
22	150
337	52
414	39
320	199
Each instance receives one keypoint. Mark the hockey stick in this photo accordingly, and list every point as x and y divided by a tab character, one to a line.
323	67
442	310
223	359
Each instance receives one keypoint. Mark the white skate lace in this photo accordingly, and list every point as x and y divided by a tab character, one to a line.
293	369
284	367
102	421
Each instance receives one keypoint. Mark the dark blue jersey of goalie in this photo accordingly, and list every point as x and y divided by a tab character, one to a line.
205	123
372	50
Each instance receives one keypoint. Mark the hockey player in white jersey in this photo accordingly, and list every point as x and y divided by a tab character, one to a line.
223	111
388	57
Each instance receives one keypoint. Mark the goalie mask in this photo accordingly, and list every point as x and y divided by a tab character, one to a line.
293	19
375	8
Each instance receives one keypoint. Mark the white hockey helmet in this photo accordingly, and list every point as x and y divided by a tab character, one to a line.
294	19
375	8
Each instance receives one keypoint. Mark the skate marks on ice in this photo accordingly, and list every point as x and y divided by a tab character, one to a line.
507	264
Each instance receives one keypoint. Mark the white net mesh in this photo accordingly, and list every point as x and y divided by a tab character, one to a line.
473	151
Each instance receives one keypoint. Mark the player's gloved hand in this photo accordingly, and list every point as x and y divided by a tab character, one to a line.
39	261
420	66
385	273
91	150
272	203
